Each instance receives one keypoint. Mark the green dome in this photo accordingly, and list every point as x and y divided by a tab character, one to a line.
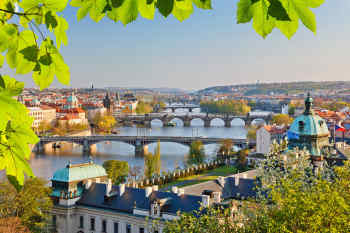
309	125
79	172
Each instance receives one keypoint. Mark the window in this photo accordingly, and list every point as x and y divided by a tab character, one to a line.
92	224
128	228
81	222
104	226
142	230
116	227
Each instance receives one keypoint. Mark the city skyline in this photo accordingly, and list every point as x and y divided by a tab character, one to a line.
214	51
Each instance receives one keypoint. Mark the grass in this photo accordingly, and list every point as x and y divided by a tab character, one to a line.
203	177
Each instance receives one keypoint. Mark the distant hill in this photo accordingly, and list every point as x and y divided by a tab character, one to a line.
277	88
155	90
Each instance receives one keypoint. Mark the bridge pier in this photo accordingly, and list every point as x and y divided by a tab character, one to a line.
39	147
187	122
207	122
86	147
190	110
141	150
173	110
147	124
228	123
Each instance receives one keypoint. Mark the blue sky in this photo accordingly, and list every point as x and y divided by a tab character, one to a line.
208	49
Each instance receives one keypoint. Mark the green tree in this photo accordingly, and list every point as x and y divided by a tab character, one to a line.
196	154
33	31
235	107
242	159
281	119
116	170
291	110
226	147
153	163
251	134
31	204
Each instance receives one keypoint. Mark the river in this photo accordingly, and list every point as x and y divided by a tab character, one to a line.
172	154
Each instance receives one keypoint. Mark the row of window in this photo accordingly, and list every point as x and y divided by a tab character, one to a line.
104	226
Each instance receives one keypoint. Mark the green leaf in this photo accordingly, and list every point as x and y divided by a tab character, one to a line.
82	12
314	3
50	20
305	14
55	5
2	59
244	13
203	4
29	4
128	11
10	86
262	24
26	61
183	9
146	9
277	11
165	7
96	10
60	32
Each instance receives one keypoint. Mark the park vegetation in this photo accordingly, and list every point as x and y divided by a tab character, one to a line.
291	197
234	107
28	208
116	170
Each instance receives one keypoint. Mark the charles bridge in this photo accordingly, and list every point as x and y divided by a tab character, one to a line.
186	119
139	142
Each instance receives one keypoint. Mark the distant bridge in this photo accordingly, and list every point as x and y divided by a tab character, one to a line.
139	142
186	119
190	107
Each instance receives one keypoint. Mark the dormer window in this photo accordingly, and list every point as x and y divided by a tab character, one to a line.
155	209
301	126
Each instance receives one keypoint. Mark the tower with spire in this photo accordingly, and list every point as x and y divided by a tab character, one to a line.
107	103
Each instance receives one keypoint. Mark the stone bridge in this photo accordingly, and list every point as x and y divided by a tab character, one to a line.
189	107
139	142
186	119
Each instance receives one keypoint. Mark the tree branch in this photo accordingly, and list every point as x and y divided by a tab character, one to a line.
19	13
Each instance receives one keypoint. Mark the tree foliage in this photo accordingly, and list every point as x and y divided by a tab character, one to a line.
152	163
196	154
31	204
143	108
281	119
12	225
116	170
293	196
33	31
235	107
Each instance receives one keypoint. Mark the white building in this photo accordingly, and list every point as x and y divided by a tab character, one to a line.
266	134
42	114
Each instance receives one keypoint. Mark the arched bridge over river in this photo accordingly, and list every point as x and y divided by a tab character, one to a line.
139	142
186	119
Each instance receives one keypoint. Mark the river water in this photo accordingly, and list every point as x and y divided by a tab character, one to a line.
172	154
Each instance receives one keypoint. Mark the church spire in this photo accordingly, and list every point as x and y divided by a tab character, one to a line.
308	105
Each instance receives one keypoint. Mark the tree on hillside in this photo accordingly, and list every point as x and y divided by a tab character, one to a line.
116	170
196	154
31	204
281	119
33	32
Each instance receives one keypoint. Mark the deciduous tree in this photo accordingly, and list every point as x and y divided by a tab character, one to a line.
116	170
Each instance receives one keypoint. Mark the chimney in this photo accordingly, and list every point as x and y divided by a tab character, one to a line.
205	200
155	187
174	189
148	191
216	197
121	189
109	187
221	181
88	184
180	192
236	180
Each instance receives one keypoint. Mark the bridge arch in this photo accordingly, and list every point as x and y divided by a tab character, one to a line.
177	120
197	122
157	122
258	122
238	122
217	121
